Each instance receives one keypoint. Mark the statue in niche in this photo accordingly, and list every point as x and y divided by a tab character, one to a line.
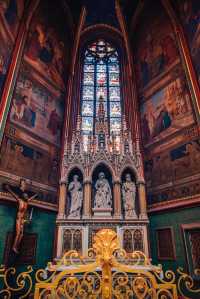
128	195
23	199
103	194
76	192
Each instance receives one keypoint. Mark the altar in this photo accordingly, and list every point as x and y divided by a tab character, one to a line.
102	186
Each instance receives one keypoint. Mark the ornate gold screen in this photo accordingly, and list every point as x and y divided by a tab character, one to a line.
106	272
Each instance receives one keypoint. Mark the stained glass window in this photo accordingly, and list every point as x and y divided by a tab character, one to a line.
101	77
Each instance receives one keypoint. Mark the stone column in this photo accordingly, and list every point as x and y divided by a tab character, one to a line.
87	199
117	199
142	201
62	200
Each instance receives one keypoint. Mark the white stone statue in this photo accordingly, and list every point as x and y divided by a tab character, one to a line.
75	189
103	194
128	195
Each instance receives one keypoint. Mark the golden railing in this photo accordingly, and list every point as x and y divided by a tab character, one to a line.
106	272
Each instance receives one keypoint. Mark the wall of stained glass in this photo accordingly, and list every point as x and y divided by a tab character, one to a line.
101	77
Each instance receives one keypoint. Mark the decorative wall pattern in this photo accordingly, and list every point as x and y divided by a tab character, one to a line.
166	109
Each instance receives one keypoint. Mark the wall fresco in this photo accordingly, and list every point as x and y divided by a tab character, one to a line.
6	47
11	11
37	108
45	48
190	16
32	139
10	16
166	108
169	167
156	50
166	111
17	155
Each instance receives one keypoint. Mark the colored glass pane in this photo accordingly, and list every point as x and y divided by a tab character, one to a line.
114	93
115	109
87	108
88	92
89	68
113	67
101	78
87	124
115	124
101	91
88	79
114	79
101	68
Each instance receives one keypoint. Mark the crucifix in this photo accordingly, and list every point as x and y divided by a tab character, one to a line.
23	200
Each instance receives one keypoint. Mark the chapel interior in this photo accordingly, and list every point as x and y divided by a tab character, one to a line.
100	130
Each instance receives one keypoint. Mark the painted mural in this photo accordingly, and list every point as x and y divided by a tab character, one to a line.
31	145
6	47
10	15
37	108
190	14
171	155
156	48
45	48
17	155
11	11
166	111
175	164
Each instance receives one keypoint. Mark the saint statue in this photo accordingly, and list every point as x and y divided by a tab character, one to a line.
128	195
22	198
76	192
103	194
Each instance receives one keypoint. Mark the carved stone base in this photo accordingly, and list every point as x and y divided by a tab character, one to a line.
75	217
102	212
61	216
143	216
131	215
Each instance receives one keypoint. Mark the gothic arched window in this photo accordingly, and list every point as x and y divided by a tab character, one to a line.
101	79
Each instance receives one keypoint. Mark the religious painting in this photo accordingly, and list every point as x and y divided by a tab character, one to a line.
45	48
172	165
166	111
42	166
37	108
190	15
5	55
11	12
156	50
174	192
